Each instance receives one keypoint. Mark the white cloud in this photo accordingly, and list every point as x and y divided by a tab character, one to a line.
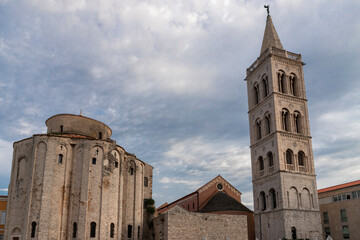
5	157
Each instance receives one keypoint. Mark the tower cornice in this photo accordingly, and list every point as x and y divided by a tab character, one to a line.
296	136
279	55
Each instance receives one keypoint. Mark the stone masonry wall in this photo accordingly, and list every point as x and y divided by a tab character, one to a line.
180	224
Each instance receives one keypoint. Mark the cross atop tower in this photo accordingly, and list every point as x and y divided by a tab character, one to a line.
267	9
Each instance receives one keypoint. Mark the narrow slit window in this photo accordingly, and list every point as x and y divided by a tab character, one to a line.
93	229
100	135
74	230
61	128
60	160
33	229
131	171
146	181
129	231
94	161
116	164
112	230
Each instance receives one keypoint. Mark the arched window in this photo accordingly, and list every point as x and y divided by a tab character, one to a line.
271	159
297	122
289	156
112	230
261	163
285	119
256	93
262	201
281	77
293	233
33	229
60	159
258	129
292	83
129	231
146	181
273	198
74	230
93	229
265	86
268	123
301	158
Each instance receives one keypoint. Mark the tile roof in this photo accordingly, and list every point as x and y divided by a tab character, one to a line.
344	185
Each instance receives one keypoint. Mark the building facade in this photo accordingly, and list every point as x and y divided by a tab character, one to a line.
3	204
75	182
214	211
284	181
340	208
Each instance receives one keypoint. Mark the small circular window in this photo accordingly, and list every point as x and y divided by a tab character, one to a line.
219	187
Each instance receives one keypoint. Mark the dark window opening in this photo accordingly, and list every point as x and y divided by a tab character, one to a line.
112	230
261	164
326	217
301	158
345	232
116	164
285	120
281	77
297	122
61	128
92	229
94	161
60	160
129	231
100	135
289	156
292	85
273	198
343	215
271	159
146	181
268	124
138	232
266	87
33	229
258	126
327	232
263	201
131	171
188	207
293	233
74	229
256	94
193	205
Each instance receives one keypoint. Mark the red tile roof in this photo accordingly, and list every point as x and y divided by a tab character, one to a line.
344	185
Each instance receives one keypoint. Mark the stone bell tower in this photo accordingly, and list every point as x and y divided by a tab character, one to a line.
284	180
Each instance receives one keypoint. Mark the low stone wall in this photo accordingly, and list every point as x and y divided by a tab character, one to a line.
180	224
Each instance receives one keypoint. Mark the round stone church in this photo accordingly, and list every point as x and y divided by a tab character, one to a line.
75	182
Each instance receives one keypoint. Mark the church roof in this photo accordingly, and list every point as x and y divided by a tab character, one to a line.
223	202
271	38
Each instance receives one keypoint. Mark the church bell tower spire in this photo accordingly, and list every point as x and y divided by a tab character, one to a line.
284	181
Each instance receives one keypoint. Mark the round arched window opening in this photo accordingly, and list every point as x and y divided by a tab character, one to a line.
219	187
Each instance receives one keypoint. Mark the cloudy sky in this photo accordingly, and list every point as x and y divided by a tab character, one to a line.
168	78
